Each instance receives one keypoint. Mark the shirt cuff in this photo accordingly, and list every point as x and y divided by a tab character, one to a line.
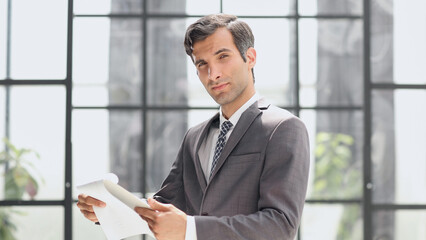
191	231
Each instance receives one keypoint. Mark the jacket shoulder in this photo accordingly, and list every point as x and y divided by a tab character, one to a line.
276	114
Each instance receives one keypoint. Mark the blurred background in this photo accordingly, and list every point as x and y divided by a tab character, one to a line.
91	87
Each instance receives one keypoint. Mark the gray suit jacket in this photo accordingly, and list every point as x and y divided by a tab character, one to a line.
258	187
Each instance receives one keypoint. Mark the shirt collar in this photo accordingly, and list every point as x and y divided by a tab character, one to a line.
236	116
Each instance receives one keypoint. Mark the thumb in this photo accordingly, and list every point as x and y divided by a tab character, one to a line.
156	205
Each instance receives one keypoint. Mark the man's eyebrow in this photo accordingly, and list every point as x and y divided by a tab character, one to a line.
216	53
198	61
222	50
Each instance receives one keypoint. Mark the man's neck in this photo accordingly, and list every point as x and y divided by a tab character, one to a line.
229	109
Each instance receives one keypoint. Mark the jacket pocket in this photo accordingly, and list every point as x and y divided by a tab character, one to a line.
243	159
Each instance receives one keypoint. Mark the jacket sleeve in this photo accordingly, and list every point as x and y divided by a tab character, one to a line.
282	191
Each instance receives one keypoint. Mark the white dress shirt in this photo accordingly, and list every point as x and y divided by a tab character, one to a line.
206	153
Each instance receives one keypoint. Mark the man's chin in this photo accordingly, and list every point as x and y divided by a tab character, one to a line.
222	100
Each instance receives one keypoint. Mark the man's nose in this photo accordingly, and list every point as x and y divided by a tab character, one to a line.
214	73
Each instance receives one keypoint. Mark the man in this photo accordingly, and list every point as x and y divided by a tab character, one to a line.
247	178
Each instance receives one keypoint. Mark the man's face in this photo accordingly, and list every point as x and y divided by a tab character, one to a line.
222	70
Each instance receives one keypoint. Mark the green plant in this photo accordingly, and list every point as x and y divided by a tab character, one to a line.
20	174
20	178
7	227
337	174
335	171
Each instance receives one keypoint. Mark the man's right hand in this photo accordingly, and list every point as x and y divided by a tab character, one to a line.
86	203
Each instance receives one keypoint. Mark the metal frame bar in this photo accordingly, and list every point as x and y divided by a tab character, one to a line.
334	201
10	82
397	86
154	15
32	203
154	108
144	115
68	145
144	98
399	207
297	81
297	77
367	178
365	202
8	54
180	108
8	37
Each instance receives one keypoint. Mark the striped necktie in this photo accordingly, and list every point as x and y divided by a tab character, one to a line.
221	140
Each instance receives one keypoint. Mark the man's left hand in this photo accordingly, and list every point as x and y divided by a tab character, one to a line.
165	220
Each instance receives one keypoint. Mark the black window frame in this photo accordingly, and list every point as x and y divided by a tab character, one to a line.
365	202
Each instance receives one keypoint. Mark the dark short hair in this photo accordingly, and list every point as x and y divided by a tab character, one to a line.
206	26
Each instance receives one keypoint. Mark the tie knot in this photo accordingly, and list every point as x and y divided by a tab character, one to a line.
226	126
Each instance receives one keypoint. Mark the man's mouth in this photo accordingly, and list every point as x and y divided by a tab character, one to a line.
219	87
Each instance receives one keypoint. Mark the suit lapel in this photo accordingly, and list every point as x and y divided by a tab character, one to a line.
200	138
241	128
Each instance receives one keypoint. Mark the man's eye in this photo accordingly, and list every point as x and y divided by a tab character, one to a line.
201	64
223	56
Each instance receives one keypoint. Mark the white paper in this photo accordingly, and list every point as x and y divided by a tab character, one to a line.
117	220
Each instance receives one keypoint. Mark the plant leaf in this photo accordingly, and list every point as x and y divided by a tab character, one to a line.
12	191
32	187
21	176
11	147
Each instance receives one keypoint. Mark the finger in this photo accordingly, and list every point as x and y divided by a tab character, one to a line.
151	225
146	213
152	230
83	206
82	197
95	202
149	221
90	215
90	200
156	205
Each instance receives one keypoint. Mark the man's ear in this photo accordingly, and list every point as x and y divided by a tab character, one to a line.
251	57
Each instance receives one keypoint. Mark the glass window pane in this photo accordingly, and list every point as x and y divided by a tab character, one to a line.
107	6
398	146
39	37
165	131
274	71
381	50
36	222
331	71
259	8
331	221
398	52
314	7
165	50
90	137
399	224
107	62
37	122
3	37
336	141
91	51
107	141
192	7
